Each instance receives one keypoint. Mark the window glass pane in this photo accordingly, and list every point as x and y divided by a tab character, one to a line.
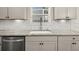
37	11
45	17
40	7
37	7
45	11
36	17
40	13
45	7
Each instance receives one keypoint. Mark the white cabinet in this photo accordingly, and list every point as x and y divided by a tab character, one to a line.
64	43
72	12
59	12
33	46
63	12
3	12
28	13
77	12
23	13
68	43
75	46
49	46
17	12
41	43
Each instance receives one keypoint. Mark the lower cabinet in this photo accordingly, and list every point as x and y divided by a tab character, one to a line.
52	43
75	46
64	43
68	43
41	43
33	46
49	46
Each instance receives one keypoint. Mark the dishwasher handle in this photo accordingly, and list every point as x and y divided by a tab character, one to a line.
13	40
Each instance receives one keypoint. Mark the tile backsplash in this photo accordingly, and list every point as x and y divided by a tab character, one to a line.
54	26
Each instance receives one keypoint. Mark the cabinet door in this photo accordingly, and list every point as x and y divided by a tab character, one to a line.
75	47
33	46
77	12
65	43
17	12
59	12
72	12
49	46
49	43
28	13
3	12
42	38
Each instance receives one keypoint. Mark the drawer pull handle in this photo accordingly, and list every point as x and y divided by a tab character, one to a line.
73	43
41	43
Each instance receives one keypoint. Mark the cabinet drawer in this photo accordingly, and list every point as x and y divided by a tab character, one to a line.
75	37
36	46
41	38
33	46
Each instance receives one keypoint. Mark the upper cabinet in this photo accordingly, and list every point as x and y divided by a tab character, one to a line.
65	12
72	12
77	12
28	13
37	14
59	12
22	13
17	12
3	12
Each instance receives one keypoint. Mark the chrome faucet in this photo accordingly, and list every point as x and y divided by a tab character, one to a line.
41	23
41	20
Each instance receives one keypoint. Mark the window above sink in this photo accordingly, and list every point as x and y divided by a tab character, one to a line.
40	13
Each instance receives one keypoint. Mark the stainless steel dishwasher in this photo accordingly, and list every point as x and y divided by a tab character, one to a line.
13	43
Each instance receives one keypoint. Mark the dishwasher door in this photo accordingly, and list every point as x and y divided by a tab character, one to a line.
0	44
13	44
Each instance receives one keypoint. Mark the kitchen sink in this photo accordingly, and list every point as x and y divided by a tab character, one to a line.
40	33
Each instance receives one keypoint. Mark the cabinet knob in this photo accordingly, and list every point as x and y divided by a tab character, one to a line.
41	43
73	38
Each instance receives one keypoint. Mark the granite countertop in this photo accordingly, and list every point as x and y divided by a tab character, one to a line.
25	33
